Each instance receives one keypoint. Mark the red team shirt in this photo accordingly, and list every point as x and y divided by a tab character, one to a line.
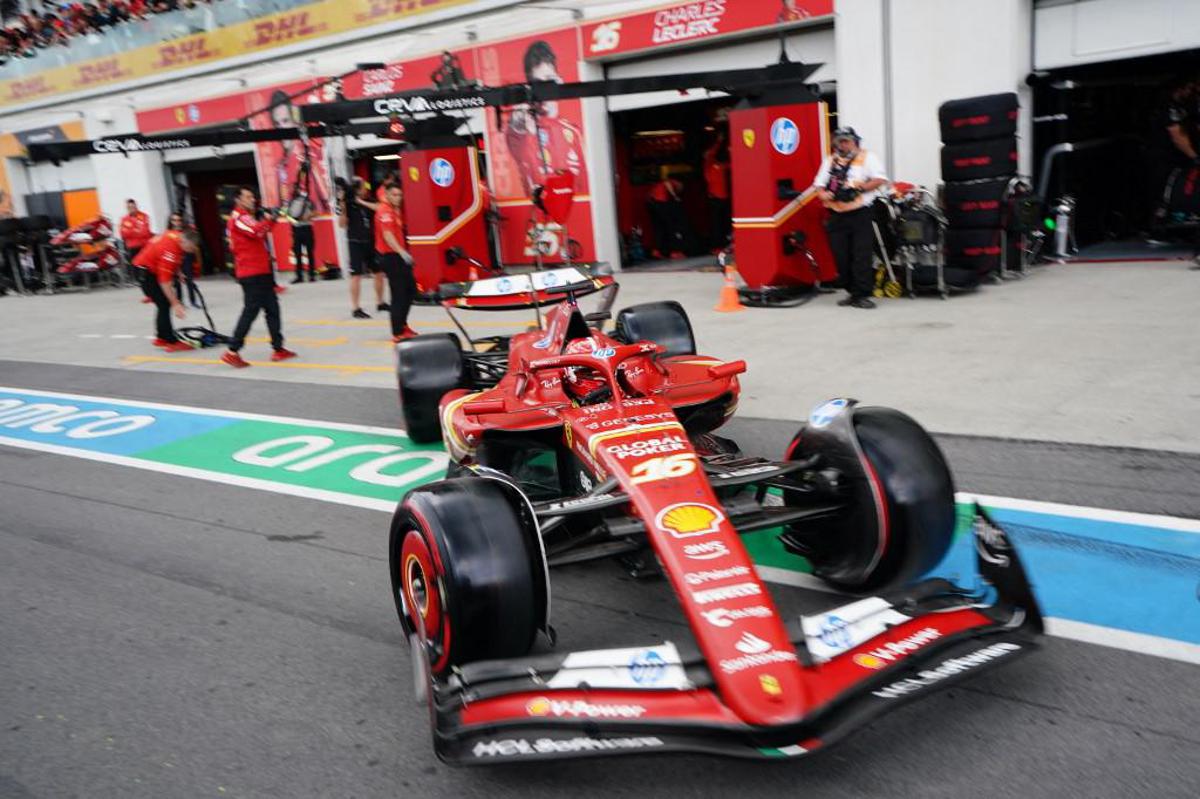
387	218
248	241
135	230
162	256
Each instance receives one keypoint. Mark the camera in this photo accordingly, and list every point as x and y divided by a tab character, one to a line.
845	194
265	212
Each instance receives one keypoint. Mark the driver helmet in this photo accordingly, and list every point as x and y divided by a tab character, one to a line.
580	381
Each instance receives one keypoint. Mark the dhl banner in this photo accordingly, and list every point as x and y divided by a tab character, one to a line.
316	20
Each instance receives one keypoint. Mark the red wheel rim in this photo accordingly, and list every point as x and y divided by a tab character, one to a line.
424	594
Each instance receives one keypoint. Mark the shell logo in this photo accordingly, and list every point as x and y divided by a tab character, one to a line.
770	684
688	519
538	707
869	661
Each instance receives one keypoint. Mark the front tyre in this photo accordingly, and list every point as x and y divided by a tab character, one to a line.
468	572
900	518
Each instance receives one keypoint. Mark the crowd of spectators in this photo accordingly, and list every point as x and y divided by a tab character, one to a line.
56	23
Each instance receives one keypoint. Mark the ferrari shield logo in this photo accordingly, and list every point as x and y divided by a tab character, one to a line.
748	137
414	174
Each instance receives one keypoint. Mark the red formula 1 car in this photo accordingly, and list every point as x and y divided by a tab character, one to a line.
570	444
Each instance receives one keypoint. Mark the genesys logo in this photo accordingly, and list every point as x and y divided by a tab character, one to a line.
513	747
947	669
895	650
706	550
715	575
578	709
725	592
726	617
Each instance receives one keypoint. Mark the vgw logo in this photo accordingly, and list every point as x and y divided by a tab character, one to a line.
441	172
785	136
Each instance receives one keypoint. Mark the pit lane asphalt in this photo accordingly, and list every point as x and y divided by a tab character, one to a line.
170	637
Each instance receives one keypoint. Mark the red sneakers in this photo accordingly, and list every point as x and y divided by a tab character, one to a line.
282	355
280	289
235	360
160	342
407	332
177	346
146	300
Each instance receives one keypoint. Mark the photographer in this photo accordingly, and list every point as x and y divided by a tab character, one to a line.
252	268
847	184
356	215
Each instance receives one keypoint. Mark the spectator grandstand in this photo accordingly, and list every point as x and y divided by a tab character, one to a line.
56	24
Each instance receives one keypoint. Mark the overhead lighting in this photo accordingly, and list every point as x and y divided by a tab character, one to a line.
390	157
648	133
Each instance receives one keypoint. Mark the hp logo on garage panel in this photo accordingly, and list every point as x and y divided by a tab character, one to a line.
785	136
441	172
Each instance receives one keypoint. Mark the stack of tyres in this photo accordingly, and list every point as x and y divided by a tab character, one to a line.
979	158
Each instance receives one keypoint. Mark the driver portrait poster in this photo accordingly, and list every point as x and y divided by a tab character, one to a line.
293	176
282	174
534	142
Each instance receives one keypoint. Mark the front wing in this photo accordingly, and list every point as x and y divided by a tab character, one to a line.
859	661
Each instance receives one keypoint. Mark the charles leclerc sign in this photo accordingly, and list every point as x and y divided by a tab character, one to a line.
685	23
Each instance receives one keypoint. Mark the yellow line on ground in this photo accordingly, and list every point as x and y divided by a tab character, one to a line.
350	369
306	342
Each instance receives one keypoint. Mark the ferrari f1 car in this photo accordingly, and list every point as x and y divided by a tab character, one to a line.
568	444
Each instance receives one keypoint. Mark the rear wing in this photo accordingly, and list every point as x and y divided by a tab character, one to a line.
526	289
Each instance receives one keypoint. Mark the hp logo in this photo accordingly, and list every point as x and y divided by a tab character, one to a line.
785	136
441	172
647	668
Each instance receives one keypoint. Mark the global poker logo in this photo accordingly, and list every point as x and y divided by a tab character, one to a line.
785	136
441	172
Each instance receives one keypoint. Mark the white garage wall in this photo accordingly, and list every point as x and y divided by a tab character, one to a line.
938	50
1072	32
814	45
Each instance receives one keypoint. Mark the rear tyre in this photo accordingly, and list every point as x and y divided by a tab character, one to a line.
468	572
426	368
664	323
902	515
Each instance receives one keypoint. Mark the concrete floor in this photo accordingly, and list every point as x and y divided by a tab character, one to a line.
1081	353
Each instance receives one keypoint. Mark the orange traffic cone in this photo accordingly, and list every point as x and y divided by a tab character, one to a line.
728	301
